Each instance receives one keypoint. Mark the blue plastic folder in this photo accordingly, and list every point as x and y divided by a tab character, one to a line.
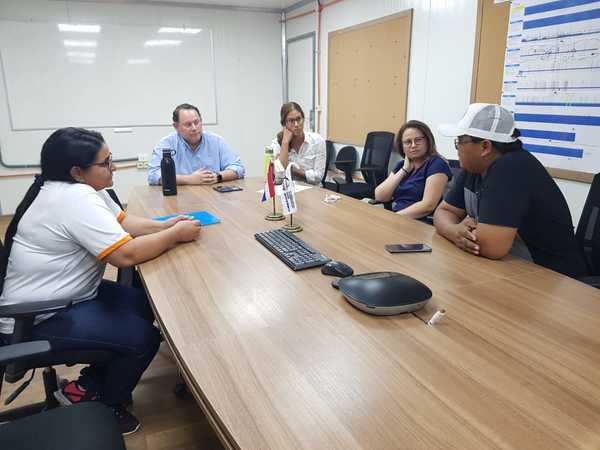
204	217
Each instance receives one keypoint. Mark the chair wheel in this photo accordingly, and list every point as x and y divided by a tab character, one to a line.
180	390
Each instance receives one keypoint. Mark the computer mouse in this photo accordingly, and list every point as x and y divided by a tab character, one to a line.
337	269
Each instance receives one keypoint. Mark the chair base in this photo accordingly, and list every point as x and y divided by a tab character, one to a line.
50	387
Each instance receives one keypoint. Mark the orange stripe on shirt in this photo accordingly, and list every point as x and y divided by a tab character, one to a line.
113	247
121	217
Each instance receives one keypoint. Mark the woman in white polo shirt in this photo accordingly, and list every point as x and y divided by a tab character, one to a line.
294	145
63	233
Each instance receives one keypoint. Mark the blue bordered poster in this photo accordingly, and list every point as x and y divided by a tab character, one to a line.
552	80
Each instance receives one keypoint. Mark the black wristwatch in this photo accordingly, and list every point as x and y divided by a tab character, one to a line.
219	177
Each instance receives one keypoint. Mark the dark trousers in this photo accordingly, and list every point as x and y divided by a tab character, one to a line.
118	319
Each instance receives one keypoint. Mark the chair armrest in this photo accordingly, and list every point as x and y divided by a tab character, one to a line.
24	351
339	180
593	281
371	168
345	161
33	308
386	205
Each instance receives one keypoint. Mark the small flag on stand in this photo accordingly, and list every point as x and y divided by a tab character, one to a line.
269	191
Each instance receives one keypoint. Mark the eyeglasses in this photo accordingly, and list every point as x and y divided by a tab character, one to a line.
296	121
458	142
416	141
106	163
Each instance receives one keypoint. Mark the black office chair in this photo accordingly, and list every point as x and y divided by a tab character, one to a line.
86	426
455	170
128	275
588	233
24	314
373	165
329	152
346	162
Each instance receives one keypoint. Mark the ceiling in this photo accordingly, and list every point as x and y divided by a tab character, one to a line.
280	4
252	4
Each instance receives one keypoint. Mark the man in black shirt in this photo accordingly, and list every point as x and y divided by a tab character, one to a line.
504	195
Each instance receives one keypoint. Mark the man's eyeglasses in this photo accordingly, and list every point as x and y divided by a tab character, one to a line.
458	142
106	163
416	141
297	120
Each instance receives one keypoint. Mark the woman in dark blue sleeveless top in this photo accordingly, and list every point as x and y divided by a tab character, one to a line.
417	183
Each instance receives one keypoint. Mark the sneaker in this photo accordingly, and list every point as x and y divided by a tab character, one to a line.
128	423
72	393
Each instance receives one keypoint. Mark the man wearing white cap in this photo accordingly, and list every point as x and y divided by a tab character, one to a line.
504	196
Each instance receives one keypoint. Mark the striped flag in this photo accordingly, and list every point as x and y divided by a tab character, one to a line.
269	191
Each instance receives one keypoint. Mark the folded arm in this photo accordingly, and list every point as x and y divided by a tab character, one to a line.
434	189
149	246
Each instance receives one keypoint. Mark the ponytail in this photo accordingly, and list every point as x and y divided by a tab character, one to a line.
30	196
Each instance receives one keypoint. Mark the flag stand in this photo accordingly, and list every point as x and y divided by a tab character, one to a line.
291	227
274	216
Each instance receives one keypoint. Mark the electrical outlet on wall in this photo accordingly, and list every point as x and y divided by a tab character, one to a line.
142	161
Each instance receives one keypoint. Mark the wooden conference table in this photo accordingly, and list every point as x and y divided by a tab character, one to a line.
278	359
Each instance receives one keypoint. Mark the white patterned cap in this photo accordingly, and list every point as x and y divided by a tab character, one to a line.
483	120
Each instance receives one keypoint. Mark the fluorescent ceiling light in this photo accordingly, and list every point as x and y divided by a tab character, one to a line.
73	43
81	54
138	61
183	30
82	61
161	42
79	28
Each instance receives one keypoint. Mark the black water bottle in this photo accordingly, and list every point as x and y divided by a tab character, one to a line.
167	173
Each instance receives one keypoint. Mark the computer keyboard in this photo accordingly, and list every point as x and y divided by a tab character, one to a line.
291	249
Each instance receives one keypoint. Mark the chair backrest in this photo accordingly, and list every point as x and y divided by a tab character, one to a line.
454	163
329	152
588	228
3	263
115	197
455	170
376	154
346	161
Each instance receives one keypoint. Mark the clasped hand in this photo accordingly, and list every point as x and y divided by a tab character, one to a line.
204	176
187	228
465	236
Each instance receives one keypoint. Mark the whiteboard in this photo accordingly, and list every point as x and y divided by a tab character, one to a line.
552	81
120	81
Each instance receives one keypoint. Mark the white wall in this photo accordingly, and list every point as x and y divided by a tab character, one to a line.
248	71
441	63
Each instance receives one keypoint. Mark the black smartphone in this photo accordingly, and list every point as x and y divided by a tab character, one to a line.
223	189
407	248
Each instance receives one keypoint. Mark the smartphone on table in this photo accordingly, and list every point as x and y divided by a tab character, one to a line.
223	189
407	248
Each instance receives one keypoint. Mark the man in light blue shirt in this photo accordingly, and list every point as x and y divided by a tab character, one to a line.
200	157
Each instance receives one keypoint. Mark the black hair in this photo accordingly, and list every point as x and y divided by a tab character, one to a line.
184	106
64	149
504	147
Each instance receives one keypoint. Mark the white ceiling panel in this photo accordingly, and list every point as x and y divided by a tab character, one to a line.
262	4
